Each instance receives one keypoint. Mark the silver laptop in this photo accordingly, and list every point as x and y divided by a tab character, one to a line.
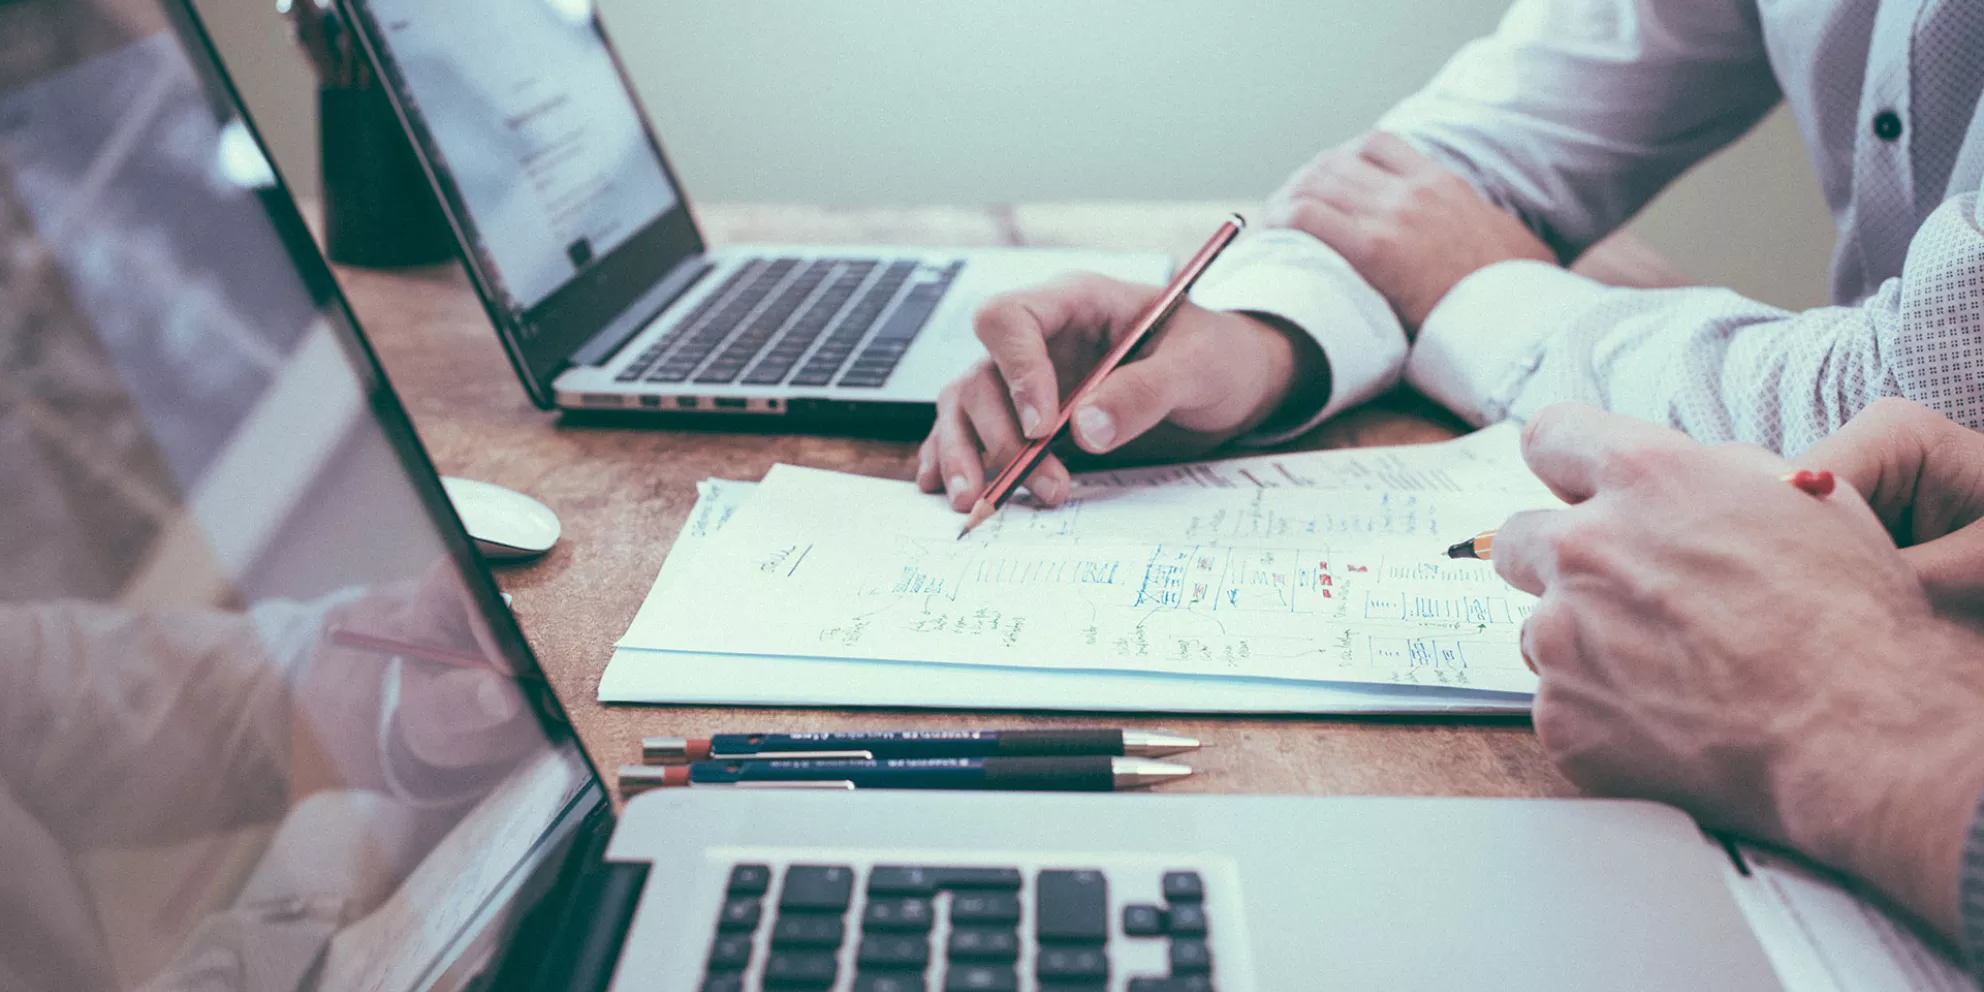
581	243
268	725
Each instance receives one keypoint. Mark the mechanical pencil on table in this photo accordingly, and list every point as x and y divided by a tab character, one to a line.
917	744
1007	482
1093	773
1820	483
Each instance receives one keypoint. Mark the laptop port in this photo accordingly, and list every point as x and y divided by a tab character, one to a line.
686	402
650	401
723	404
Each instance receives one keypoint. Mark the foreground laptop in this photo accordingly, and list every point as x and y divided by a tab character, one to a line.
267	725
580	241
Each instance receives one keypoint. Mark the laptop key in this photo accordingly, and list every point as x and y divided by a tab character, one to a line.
981	978
1190	957
984	944
801	969
817	887
1071	905
1143	921
997	879
889	981
920	880
1184	886
729	981
1086	964
893	951
808	930
1180	983
749	880
908	914
730	952
739	913
985	907
1188	919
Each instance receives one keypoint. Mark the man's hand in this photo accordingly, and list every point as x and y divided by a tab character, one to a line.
1924	476
1714	638
453	729
1409	226
1204	378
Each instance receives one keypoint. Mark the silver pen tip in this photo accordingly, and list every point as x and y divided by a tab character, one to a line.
1134	773
655	750
1156	743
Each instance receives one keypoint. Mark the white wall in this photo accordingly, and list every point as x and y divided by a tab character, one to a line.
852	102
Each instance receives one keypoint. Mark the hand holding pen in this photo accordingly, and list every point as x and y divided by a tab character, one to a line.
1820	484
1205	377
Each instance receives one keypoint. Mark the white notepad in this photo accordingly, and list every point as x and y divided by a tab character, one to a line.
1410	501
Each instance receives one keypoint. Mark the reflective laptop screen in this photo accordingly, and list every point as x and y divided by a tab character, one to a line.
255	732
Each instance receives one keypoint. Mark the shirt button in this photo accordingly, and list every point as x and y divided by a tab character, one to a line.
1887	125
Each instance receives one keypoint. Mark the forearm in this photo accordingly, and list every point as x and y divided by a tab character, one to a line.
1513	338
109	720
1571	117
1885	782
1906	822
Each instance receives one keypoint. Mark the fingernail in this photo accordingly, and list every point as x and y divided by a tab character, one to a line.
1029	419
956	485
1098	430
922	466
1048	490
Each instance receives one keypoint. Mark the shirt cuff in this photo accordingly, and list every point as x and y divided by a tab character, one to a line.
1487	335
1293	277
1970	895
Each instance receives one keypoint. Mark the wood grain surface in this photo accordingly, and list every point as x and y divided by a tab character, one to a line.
623	493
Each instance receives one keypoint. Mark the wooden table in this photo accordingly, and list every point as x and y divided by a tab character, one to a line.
624	493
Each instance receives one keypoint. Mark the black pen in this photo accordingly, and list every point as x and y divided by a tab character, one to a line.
1092	773
918	744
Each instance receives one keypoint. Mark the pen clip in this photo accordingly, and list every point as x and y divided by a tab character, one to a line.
795	756
791	784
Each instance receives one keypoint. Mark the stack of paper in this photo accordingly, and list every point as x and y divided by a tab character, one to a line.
1288	583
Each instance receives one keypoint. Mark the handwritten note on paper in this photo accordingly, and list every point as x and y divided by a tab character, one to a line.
1263	582
717	501
1488	460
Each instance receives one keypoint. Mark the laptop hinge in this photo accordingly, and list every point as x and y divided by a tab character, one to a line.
571	936
586	947
601	347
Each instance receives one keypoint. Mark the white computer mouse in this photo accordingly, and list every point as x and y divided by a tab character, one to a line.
505	524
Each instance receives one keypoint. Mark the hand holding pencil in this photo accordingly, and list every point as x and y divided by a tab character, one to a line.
1203	378
1155	313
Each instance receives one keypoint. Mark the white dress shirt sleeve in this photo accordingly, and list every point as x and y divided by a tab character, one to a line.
1293	277
1574	113
1517	336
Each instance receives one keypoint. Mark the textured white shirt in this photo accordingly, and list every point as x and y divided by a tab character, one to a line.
1575	113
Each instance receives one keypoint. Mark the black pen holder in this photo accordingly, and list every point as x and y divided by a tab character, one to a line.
379	210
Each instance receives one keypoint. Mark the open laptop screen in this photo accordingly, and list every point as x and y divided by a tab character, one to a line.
264	723
545	164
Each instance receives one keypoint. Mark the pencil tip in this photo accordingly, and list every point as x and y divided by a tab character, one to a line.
980	511
1464	549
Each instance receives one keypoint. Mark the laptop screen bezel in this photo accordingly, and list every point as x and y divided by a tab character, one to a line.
382	401
542	340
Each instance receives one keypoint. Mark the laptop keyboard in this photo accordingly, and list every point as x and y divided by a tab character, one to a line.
775	321
921	928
